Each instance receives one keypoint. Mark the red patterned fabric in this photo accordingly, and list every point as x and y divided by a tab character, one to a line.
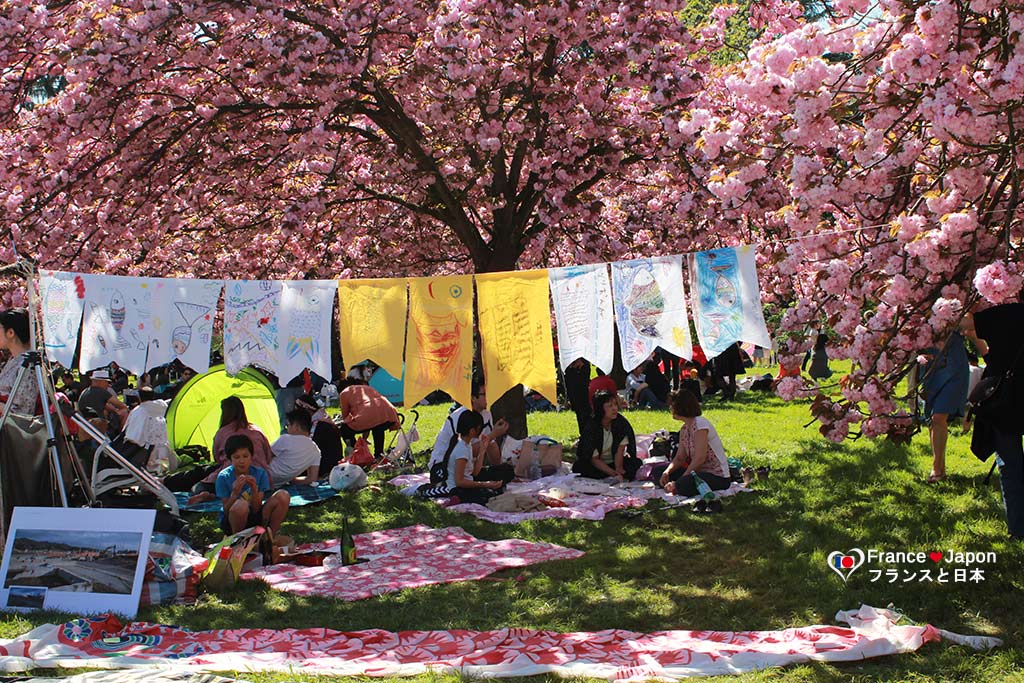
613	654
409	557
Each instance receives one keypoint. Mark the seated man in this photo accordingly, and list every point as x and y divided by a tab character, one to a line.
100	400
296	456
240	487
495	430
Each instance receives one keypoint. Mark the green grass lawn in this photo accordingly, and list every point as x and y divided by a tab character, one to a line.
760	565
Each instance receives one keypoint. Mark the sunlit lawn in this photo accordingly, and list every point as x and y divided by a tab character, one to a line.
761	565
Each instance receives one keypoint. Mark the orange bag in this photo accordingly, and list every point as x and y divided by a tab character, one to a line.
361	453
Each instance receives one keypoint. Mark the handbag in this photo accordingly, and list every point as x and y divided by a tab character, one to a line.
439	470
993	396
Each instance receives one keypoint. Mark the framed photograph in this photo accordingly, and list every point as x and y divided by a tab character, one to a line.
80	560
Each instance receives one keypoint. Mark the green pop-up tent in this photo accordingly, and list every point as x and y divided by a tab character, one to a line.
194	415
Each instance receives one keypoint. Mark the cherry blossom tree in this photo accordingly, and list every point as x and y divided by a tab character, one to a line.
877	159
288	138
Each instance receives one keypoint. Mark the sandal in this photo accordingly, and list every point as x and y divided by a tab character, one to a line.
935	478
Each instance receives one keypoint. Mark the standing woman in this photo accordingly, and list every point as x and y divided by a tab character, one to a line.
818	357
607	446
700	450
946	378
14	338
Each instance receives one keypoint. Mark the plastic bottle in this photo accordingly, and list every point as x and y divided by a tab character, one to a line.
703	490
535	472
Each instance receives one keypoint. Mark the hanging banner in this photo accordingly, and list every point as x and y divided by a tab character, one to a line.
62	298
582	300
515	332
250	324
304	331
650	309
439	341
727	299
371	322
117	322
183	316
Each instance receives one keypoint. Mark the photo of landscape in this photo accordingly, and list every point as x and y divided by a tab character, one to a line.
78	561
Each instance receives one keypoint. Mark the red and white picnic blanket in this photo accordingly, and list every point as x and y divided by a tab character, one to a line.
589	499
408	557
613	654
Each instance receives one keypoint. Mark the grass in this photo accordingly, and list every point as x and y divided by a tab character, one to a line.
761	565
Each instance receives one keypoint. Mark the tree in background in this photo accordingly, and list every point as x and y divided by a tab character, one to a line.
873	155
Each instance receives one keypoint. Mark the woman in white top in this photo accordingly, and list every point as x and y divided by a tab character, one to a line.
14	338
700	450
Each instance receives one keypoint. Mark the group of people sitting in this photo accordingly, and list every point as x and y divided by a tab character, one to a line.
466	459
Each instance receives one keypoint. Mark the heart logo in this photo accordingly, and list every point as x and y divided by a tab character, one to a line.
846	563
935	556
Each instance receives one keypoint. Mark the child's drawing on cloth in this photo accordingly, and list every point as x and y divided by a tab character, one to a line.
183	314
304	339
727	299
117	322
439	342
582	299
62	296
250	324
650	308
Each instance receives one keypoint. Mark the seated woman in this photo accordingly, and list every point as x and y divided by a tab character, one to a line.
233	421
14	337
700	450
607	446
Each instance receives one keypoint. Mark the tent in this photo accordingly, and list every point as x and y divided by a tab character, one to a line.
194	415
389	387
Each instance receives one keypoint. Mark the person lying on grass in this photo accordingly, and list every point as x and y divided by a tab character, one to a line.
607	446
240	487
700	450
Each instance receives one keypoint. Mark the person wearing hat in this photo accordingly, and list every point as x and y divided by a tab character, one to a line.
99	399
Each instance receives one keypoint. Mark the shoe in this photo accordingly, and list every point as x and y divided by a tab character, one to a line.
701	507
748	475
715	507
935	478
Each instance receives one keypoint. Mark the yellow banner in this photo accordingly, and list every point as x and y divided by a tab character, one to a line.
439	341
515	332
371	322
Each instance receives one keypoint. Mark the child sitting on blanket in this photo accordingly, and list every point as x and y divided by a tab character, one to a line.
467	477
240	487
700	450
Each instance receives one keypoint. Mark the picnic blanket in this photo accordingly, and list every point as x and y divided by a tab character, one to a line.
408	557
616	655
578	497
301	495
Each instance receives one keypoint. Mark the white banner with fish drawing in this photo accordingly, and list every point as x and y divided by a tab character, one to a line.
304	331
650	308
62	296
250	324
183	315
726	299
582	299
117	323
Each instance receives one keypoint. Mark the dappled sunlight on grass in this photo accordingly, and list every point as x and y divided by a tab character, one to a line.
759	565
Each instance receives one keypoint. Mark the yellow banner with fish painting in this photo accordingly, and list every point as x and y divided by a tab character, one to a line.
439	339
515	332
371	322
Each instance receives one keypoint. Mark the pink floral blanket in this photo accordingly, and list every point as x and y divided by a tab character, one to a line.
408	557
614	655
586	498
